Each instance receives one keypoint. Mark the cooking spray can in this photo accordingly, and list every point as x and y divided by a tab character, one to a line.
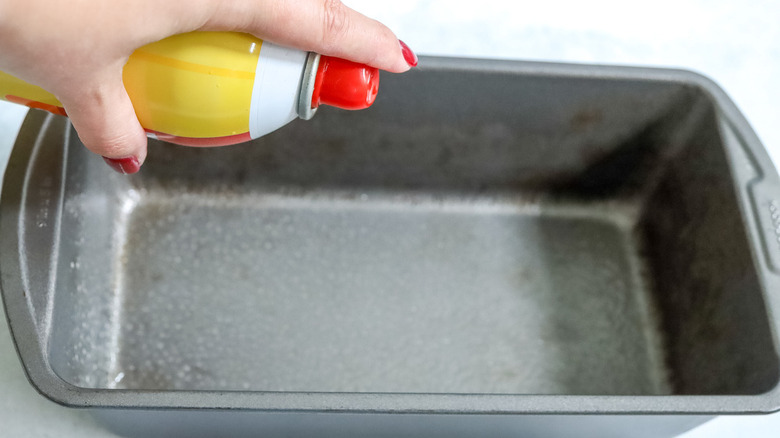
221	88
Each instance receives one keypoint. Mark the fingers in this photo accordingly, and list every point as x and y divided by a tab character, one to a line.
106	123
323	26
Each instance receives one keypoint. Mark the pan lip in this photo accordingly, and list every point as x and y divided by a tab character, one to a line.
30	343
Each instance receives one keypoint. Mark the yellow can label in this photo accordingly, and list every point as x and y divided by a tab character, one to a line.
197	84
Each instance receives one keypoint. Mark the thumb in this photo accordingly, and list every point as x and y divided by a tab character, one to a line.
103	115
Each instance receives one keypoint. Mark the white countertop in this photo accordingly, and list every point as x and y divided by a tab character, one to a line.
738	46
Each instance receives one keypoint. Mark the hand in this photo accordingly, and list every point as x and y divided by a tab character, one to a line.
77	49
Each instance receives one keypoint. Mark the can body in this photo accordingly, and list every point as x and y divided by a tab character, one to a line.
199	88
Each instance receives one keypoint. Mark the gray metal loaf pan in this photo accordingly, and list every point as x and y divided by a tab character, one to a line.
494	248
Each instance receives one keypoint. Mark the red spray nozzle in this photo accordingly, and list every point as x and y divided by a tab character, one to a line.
344	84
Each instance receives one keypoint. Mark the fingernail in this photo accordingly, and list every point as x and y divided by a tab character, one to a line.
125	166
409	56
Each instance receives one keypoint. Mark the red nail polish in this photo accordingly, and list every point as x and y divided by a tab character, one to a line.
409	56
125	166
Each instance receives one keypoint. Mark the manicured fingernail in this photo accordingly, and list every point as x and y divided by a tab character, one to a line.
409	56
125	166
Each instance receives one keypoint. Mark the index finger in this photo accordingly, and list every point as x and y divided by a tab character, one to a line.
324	26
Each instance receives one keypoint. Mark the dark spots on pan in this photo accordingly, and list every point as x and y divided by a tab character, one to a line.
334	147
240	176
585	119
564	331
521	277
444	157
592	154
609	171
535	180
156	277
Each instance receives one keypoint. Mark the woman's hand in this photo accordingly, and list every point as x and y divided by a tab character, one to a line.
77	49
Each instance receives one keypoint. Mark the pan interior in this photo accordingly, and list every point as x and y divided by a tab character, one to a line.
529	235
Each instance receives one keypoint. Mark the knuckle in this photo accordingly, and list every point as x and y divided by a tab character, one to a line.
102	124
335	21
117	145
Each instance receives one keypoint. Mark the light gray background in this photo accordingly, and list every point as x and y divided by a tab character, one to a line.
736	45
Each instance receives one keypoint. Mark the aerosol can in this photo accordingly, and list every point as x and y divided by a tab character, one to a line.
221	88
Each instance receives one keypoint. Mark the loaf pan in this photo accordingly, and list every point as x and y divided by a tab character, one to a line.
494	247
